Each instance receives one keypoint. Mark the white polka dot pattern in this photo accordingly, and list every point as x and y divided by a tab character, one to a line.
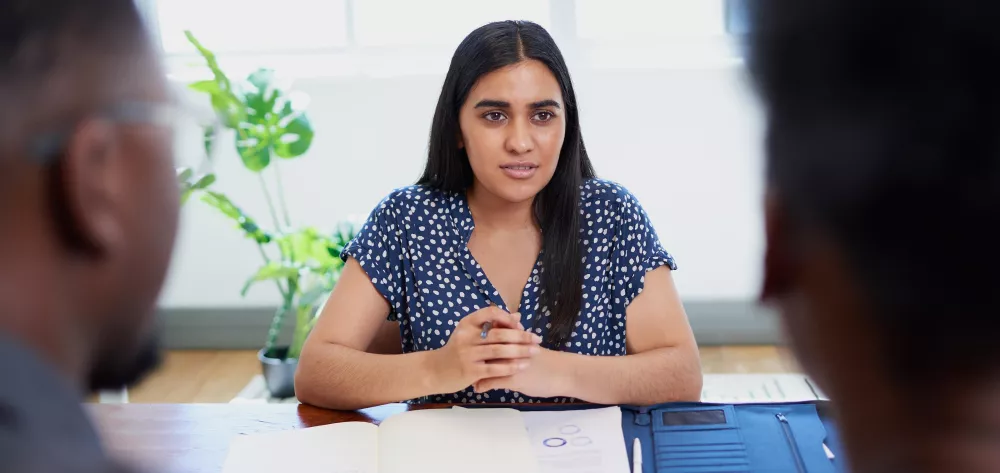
413	248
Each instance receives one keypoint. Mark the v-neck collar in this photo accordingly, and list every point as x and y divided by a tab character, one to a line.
464	223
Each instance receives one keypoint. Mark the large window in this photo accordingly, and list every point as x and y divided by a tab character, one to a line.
253	26
435	22
602	33
630	21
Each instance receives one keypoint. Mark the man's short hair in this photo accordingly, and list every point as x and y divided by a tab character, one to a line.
33	30
884	135
39	36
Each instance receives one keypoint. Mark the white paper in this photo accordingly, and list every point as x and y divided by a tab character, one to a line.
349	447
756	388
456	441
582	441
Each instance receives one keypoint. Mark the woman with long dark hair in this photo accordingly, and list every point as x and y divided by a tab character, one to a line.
509	273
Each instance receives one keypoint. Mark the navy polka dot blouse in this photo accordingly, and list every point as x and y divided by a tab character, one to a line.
413	247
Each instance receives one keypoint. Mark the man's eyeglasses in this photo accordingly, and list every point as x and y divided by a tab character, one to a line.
195	135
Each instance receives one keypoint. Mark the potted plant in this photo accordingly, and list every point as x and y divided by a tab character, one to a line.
303	263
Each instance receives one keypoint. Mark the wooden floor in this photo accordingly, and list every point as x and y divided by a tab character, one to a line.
217	376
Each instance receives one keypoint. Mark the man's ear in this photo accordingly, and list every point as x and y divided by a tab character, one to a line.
88	189
778	254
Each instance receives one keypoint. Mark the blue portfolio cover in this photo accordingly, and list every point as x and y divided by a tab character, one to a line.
730	438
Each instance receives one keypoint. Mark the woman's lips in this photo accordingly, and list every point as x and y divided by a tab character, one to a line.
519	170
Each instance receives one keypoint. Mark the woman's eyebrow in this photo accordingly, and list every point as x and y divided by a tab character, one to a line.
491	103
545	103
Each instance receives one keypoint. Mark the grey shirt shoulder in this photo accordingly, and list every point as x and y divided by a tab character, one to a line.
43	426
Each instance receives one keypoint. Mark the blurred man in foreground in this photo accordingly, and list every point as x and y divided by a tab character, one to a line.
883	219
88	210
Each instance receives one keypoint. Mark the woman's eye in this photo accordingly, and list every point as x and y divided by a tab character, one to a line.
544	116
494	116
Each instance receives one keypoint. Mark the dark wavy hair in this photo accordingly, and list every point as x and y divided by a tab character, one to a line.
557	206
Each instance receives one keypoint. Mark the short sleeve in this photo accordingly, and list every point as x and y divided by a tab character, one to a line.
378	248
638	250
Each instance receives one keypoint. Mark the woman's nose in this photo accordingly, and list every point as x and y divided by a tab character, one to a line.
519	138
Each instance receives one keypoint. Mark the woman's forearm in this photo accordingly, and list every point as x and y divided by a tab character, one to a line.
661	375
338	377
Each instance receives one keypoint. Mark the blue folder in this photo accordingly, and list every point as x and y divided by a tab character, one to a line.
731	438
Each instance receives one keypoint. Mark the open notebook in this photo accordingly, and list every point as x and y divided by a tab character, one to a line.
444	441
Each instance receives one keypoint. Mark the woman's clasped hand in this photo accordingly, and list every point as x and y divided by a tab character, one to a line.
468	358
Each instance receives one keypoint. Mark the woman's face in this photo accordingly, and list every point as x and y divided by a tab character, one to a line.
513	125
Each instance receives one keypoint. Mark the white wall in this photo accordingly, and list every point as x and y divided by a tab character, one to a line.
685	141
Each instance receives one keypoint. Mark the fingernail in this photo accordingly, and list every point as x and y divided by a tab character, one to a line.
534	350
537	338
519	326
522	365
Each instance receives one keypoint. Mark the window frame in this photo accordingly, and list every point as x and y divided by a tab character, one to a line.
724	51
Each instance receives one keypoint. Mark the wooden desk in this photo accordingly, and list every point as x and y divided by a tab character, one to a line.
194	438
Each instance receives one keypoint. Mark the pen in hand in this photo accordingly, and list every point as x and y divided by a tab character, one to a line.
486	329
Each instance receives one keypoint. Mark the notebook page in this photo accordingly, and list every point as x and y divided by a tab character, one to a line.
456	441
349	447
578	441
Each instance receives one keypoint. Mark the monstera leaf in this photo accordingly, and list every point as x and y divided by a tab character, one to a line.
265	120
294	133
273	126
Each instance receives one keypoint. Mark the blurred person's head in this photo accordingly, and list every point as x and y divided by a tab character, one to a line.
507	129
883	216
88	196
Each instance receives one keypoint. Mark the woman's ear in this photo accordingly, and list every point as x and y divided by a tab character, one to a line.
461	141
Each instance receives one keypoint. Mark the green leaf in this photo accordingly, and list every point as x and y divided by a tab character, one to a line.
261	79
209	135
230	109
247	224
210	60
204	182
208	86
260	102
295	138
184	174
225	99
269	271
254	148
258	112
342	237
188	184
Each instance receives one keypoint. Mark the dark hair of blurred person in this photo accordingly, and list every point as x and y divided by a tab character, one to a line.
88	208
883	218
